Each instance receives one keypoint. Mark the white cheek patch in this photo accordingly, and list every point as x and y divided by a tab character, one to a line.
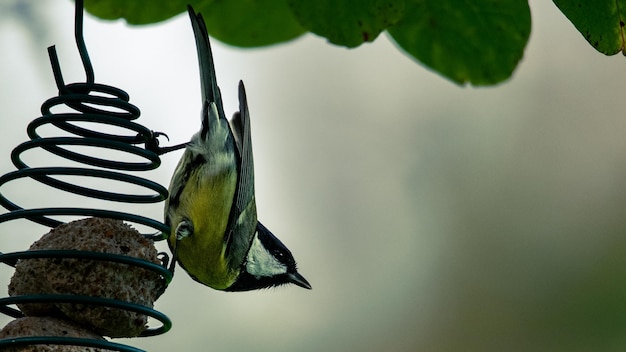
261	262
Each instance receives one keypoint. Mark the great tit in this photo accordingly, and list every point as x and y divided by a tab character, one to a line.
211	209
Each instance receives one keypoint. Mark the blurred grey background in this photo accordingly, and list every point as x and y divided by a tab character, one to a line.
427	216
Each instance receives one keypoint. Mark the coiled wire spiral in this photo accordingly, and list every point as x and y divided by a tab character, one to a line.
109	106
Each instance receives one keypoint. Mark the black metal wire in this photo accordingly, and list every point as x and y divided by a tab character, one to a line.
86	300
72	341
104	106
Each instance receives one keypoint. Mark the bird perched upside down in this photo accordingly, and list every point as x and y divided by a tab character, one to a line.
215	235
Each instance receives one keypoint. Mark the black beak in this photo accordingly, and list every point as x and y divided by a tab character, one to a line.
299	280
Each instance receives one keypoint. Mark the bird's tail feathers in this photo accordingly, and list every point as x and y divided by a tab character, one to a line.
208	79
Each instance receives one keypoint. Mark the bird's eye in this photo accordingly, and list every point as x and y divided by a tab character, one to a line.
279	255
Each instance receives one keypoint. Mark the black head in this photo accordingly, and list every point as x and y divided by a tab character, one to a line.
268	263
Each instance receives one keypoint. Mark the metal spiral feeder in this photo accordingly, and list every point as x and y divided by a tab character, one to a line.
89	108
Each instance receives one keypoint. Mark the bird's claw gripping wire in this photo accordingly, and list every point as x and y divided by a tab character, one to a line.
152	144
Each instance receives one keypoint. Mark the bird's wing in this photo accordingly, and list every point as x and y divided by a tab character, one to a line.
245	187
244	224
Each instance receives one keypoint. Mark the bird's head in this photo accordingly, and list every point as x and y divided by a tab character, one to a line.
268	263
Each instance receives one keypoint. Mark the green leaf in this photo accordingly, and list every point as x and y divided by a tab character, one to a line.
479	41
248	23
243	23
601	22
137	11
347	22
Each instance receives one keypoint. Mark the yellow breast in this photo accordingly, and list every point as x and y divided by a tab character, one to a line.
206	200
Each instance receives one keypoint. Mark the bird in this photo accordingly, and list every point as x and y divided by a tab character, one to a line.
211	209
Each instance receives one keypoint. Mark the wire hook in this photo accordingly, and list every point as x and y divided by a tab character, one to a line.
80	41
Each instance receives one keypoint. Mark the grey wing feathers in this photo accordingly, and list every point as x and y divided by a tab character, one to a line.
245	187
244	223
